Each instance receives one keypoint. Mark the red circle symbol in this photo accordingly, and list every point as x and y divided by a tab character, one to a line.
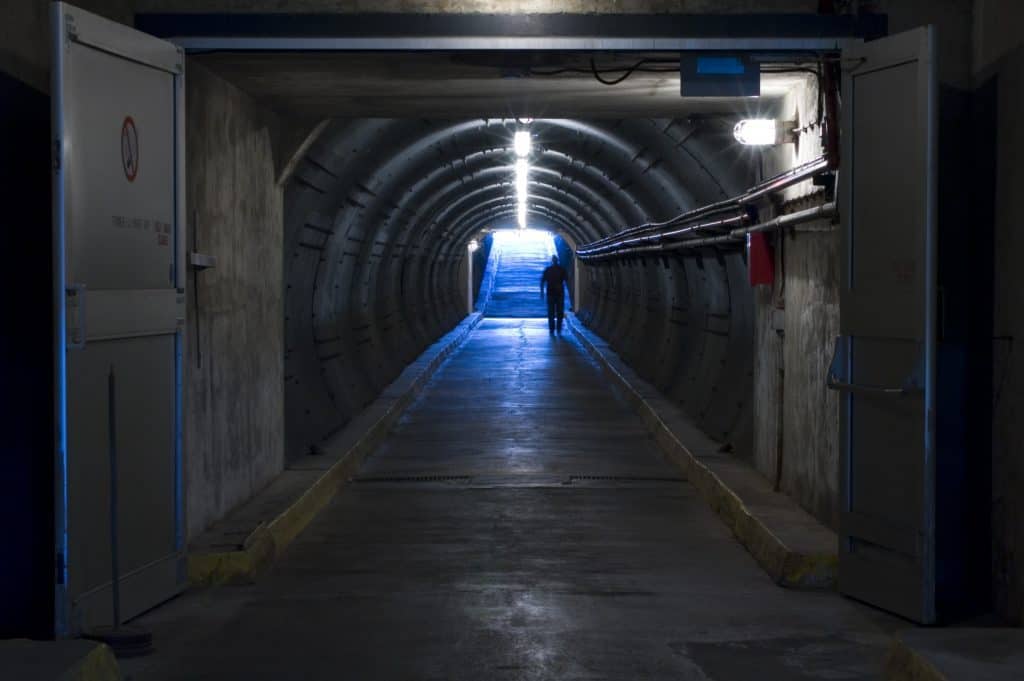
129	148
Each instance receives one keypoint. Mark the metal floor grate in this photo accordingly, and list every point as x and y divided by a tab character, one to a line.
627	478
484	480
411	478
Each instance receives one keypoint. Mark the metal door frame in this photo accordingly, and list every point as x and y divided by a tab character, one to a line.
133	45
71	24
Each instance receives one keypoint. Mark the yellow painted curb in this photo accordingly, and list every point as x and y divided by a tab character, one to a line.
903	664
786	567
99	665
268	541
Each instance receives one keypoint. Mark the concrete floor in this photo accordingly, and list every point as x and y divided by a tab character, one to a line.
468	550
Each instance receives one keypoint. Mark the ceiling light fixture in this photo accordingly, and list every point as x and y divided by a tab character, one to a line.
522	173
756	132
760	132
522	143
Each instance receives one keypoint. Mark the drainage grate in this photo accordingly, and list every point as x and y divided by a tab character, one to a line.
485	481
412	478
625	478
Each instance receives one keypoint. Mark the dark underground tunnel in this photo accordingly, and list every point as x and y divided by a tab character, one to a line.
292	395
386	277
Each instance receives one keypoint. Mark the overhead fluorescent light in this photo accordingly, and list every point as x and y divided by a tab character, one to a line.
522	143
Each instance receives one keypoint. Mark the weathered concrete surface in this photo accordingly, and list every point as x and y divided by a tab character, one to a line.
25	35
792	547
796	419
71	660
810	463
994	33
768	381
239	548
521	569
234	395
457	86
990	654
294	138
953	20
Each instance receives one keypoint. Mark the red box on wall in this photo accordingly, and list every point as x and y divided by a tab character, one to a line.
760	259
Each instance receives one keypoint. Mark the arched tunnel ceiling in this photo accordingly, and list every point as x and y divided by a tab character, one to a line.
423	178
378	213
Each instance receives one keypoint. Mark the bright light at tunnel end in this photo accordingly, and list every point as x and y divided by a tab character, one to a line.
525	236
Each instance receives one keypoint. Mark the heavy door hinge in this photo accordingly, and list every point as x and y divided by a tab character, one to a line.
70	30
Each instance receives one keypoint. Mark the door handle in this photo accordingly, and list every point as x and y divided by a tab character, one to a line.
75	313
836	377
842	386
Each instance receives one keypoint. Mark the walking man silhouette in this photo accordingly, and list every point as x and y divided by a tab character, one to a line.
554	278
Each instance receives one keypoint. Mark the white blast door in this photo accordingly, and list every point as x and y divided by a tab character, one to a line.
118	103
885	357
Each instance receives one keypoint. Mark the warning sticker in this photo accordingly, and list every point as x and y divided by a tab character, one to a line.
129	148
160	228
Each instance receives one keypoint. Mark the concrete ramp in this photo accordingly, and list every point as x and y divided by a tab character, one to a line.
520	258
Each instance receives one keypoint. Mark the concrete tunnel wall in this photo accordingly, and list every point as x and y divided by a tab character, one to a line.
378	214
234	406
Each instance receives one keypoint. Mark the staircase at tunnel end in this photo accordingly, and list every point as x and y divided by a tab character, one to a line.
519	258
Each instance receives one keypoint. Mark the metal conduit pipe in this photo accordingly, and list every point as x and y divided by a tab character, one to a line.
755	193
729	222
825	210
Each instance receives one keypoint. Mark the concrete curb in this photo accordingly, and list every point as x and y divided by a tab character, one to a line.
61	660
787	567
99	665
944	653
269	540
903	664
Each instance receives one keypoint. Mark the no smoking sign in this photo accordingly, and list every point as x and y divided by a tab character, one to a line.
129	149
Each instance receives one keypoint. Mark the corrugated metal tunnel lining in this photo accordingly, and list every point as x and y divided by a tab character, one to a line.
379	211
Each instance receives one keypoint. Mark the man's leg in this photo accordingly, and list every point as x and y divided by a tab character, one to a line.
561	314
551	315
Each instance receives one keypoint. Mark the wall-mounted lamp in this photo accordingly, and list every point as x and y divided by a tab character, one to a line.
759	132
473	245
